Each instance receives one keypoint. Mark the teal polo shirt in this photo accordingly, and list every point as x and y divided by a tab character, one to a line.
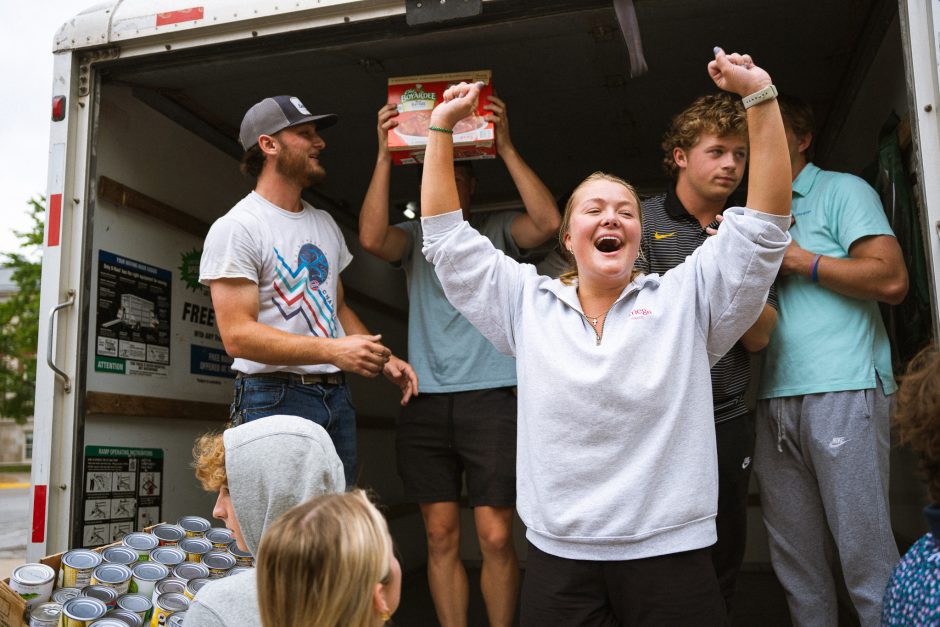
824	341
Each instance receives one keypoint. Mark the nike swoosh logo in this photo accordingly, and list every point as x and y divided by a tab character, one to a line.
659	235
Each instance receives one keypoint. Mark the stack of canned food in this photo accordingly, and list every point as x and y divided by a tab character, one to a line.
149	579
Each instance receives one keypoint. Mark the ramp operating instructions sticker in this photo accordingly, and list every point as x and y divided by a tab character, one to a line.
133	323
123	492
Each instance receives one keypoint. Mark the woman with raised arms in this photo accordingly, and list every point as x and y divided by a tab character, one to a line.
617	474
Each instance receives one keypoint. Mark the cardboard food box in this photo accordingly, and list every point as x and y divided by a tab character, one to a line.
13	608
416	96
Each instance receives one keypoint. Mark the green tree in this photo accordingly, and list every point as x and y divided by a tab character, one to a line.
19	321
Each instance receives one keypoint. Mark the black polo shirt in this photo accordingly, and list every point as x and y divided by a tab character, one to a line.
670	234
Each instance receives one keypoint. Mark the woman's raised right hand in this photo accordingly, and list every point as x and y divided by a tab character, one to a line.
459	101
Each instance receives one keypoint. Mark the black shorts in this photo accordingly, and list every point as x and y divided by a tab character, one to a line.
441	436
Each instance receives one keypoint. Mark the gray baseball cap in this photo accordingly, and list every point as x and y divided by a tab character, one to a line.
275	114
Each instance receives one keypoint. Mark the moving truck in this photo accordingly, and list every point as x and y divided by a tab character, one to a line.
147	98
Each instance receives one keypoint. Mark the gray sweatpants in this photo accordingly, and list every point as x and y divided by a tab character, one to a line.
822	464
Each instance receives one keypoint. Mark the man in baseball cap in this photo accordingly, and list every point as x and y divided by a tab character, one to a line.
272	264
275	114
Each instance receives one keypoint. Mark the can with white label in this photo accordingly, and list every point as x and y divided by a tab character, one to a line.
145	577
141	542
33	582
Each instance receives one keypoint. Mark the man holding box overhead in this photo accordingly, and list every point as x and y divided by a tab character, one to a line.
272	264
465	420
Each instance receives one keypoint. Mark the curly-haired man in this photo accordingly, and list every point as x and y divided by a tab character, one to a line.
704	151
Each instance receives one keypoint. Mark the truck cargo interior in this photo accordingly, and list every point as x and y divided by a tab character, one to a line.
163	166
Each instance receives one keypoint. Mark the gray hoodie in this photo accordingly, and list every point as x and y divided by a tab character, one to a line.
272	464
616	445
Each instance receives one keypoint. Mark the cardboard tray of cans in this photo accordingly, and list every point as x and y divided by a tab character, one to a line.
416	96
13	607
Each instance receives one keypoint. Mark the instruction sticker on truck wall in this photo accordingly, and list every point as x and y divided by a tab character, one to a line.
122	492
133	323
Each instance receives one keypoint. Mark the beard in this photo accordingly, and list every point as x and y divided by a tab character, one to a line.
294	165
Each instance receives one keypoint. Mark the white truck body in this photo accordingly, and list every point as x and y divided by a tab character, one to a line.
145	158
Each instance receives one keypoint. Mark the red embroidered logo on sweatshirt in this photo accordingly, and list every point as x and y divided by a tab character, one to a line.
640	313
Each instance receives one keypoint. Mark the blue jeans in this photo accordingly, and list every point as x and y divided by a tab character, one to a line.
330	406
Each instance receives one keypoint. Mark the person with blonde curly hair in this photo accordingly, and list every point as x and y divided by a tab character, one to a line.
260	470
328	562
913	593
705	152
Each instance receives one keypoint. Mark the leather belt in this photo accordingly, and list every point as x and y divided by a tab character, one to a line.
326	378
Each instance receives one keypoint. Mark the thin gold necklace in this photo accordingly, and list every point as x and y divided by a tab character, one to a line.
593	319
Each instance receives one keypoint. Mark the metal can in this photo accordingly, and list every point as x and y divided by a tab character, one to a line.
195	585
81	611
195	548
142	543
242	558
62	595
105	594
127	618
166	586
191	570
108	621
145	576
77	566
220	537
168	535
219	563
117	576
169	556
33	582
120	555
45	615
194	526
168	604
136	603
176	620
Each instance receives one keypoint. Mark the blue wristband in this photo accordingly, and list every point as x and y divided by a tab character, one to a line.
814	274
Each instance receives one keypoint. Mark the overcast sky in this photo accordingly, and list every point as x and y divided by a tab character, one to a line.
25	104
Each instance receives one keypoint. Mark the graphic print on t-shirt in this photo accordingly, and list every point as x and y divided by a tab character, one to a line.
298	290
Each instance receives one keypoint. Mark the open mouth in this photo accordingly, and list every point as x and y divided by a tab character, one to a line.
608	244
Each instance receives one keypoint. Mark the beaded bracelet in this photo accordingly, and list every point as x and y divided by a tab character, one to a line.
441	130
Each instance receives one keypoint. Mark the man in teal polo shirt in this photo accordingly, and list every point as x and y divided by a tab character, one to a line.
821	455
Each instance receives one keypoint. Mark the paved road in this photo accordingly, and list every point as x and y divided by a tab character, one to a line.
14	514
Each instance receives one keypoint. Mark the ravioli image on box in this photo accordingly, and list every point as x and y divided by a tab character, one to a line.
416	96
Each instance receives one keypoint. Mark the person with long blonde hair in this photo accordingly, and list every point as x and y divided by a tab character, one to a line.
328	562
617	478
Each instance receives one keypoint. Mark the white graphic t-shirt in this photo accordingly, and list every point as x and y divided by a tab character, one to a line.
294	257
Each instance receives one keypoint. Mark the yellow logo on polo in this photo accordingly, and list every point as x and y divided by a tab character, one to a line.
659	235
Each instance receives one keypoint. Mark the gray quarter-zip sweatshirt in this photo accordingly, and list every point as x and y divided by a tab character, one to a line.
616	440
